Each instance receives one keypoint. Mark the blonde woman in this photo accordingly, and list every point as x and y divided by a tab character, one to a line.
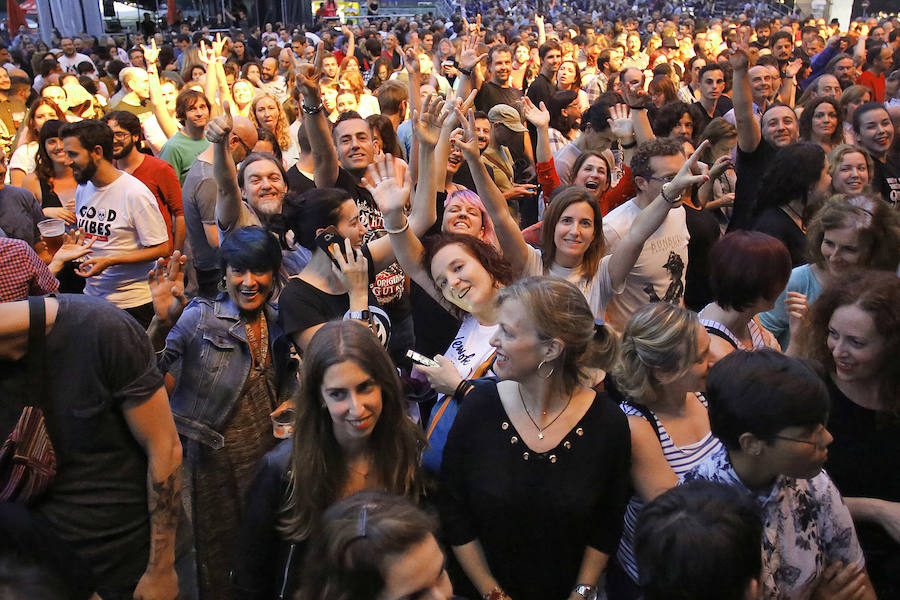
267	112
660	374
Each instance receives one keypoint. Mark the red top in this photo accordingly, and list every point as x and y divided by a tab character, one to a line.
160	178
874	83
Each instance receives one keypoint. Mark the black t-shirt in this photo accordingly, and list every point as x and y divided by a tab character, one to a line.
301	306
298	182
102	363
749	167
491	94
779	225
391	287
701	118
886	178
541	90
703	228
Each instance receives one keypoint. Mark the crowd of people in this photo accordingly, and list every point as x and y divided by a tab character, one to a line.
580	303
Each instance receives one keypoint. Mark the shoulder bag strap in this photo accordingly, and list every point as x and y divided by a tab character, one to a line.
37	347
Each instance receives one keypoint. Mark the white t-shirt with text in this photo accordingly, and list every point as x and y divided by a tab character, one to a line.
121	217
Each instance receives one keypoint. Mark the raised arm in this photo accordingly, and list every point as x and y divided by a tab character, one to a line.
210	57
628	250
228	196
468	60
427	130
325	170
166	122
637	100
349	42
540	118
748	130
413	86
515	250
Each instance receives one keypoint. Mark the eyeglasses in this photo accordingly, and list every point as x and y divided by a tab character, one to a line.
120	135
244	144
817	438
664	180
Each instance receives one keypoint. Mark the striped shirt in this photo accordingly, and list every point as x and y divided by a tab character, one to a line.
682	459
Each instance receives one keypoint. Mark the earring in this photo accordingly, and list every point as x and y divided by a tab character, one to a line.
548	375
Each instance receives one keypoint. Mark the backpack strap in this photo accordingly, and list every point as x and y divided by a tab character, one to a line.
37	347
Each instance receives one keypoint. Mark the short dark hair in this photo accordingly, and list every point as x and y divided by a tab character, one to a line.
699	541
795	170
668	116
126	120
547	47
597	116
779	35
495	49
763	392
863	109
489	257
314	209
250	249
640	162
710	66
186	100
90	133
745	266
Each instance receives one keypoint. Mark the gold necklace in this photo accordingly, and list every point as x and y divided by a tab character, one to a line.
533	422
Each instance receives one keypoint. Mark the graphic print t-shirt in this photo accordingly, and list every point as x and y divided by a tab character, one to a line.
120	217
658	274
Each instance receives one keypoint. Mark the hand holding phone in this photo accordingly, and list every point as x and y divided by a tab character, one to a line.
420	359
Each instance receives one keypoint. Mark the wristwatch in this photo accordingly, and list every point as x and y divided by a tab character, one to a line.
588	592
361	315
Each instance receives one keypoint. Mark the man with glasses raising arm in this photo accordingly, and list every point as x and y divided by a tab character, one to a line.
198	196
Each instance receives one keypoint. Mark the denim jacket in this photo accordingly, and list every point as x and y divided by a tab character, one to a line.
208	354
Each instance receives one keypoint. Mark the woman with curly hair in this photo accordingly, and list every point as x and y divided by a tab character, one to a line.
267	112
792	188
820	123
351	433
854	332
847	233
381	71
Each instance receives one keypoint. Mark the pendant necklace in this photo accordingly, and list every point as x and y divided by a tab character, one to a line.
533	422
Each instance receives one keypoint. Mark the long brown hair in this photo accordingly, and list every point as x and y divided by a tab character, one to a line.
877	293
563	200
318	471
282	131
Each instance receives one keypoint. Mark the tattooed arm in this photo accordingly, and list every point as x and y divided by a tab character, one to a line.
152	426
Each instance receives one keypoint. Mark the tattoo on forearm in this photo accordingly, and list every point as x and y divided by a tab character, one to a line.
164	501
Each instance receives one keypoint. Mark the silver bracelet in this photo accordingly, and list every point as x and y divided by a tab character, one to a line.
401	230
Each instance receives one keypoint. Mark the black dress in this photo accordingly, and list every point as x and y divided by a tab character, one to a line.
534	513
864	461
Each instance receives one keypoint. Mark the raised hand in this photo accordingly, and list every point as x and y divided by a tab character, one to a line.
464	137
166	281
634	95
620	122
539	117
207	55
219	128
792	68
692	172
428	123
469	56
388	187
309	76
412	61
217	45
738	58
151	52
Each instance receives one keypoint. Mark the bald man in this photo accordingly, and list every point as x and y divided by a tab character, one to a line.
198	198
